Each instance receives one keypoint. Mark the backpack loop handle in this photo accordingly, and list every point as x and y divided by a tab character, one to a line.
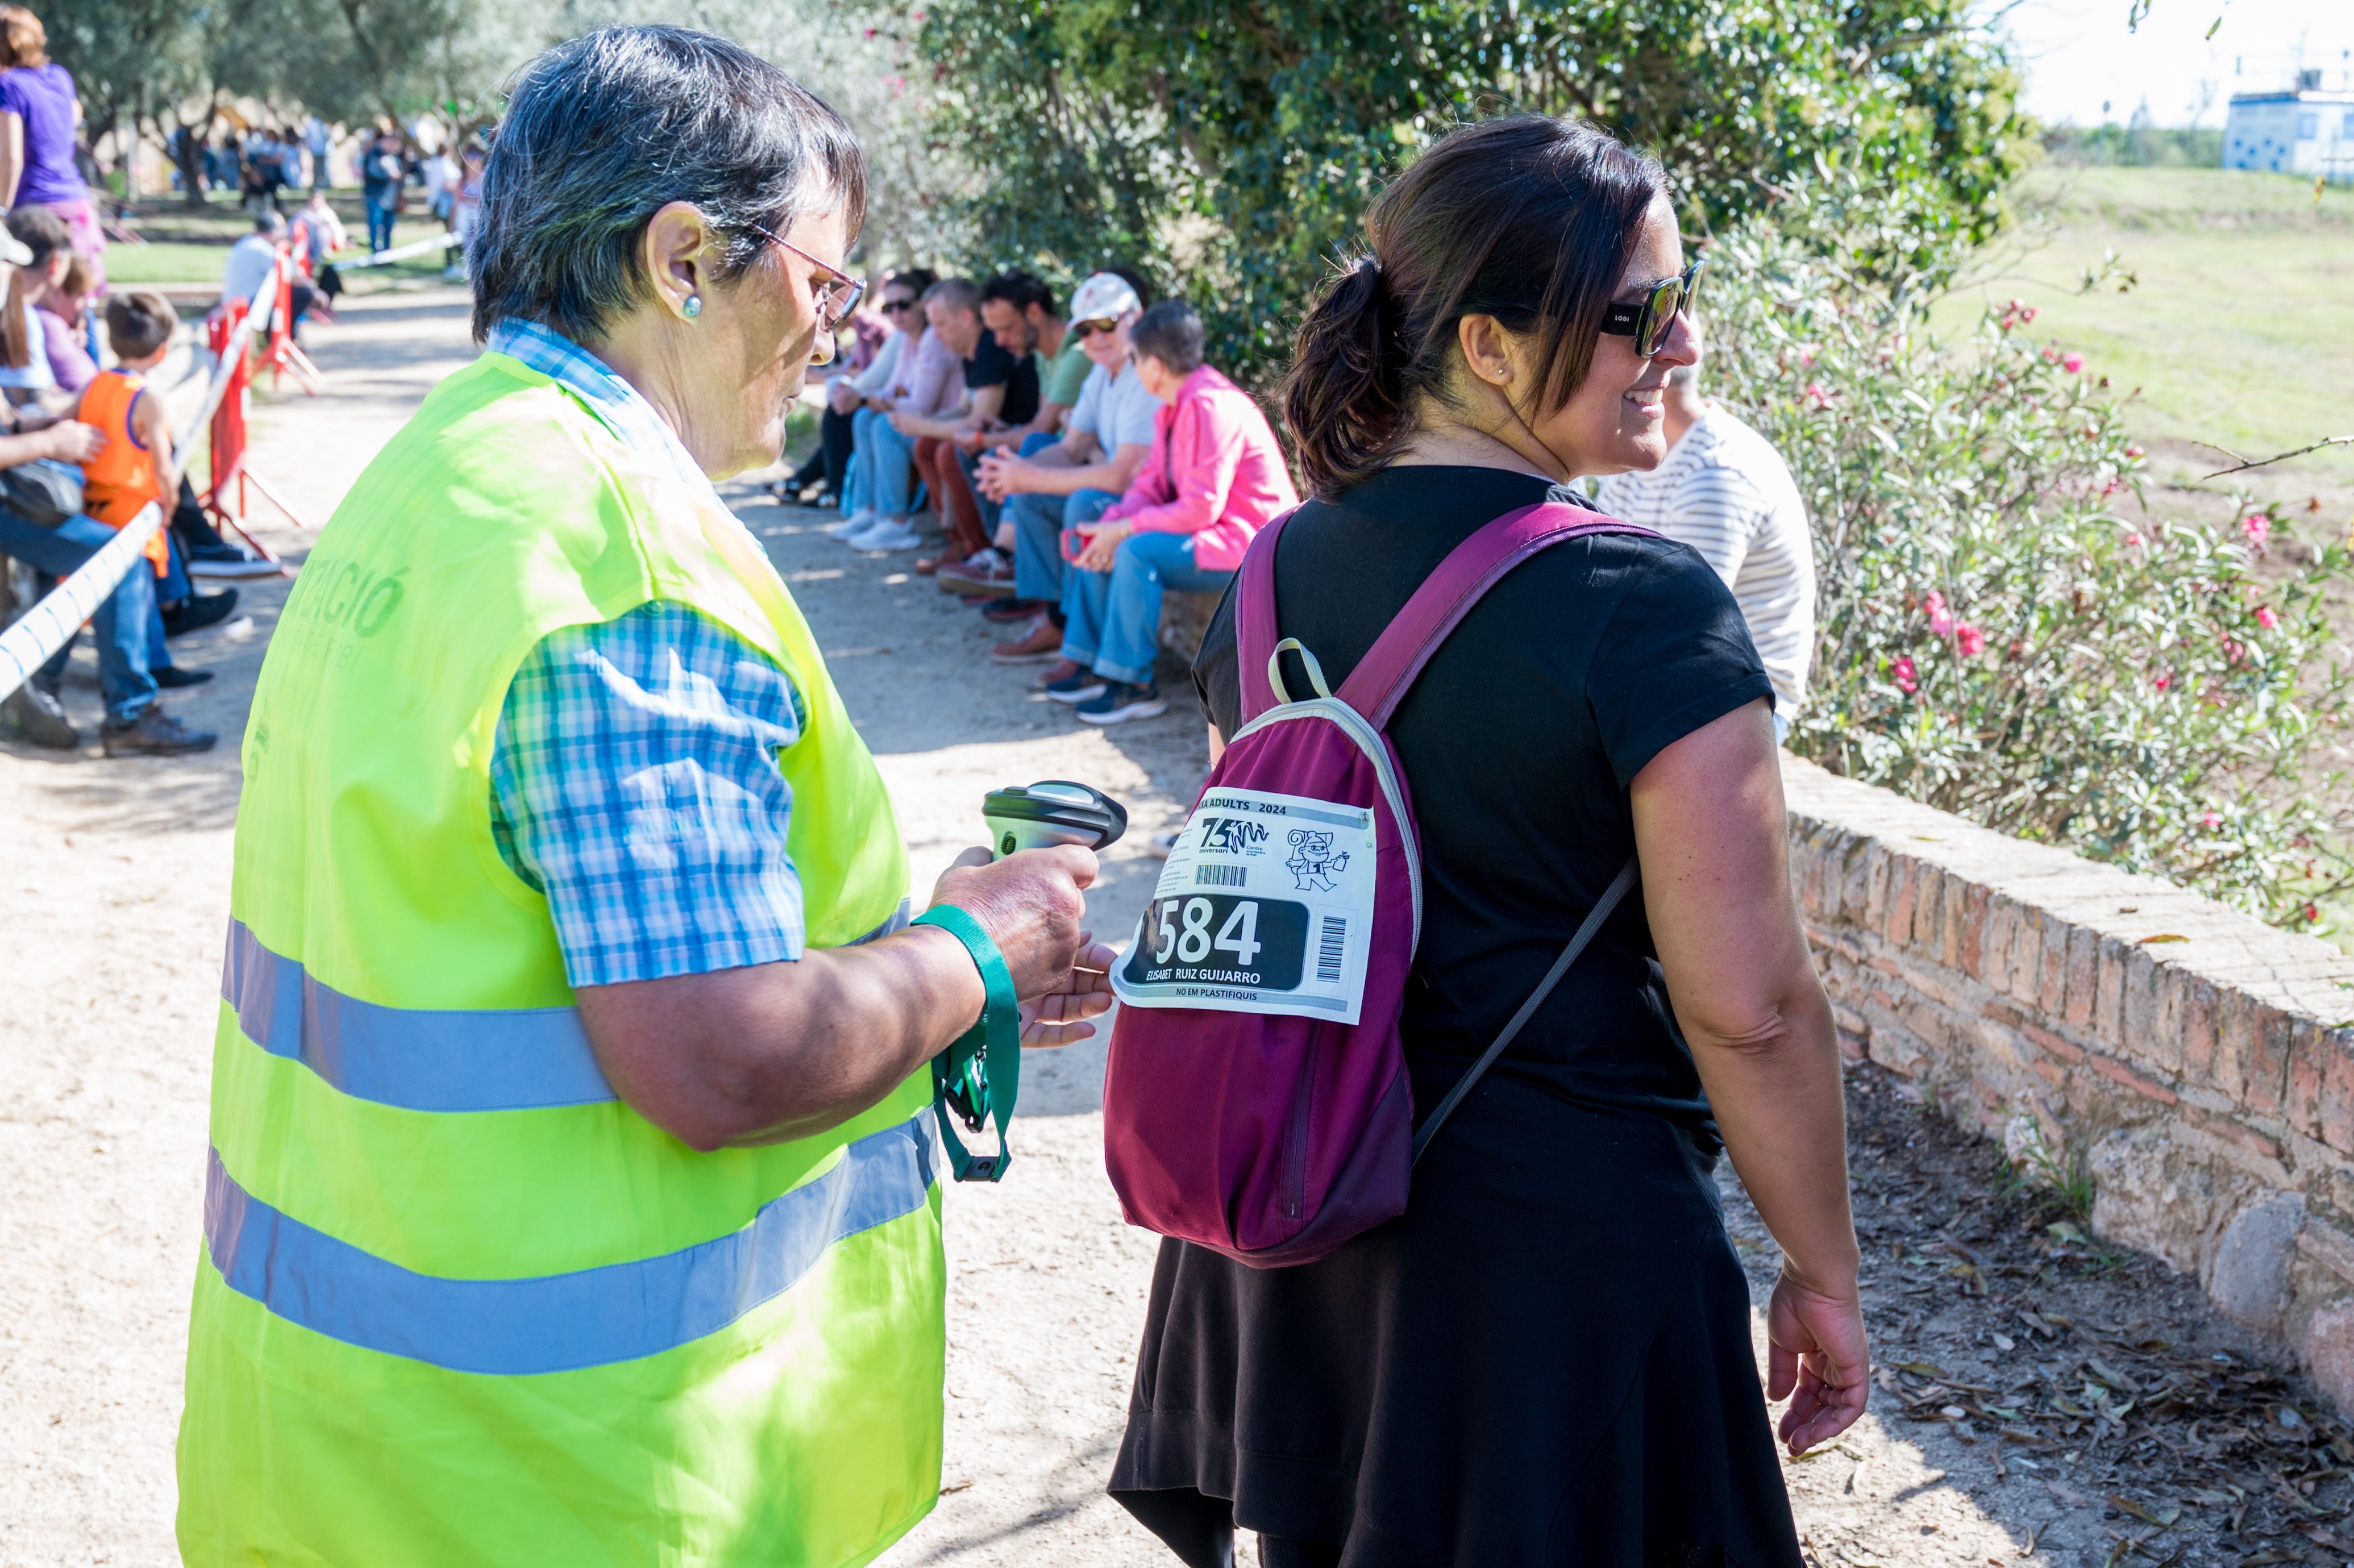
1275	671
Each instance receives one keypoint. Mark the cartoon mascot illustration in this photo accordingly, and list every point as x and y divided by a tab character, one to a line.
1313	866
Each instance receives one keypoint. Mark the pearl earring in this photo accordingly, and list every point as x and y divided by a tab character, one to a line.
694	306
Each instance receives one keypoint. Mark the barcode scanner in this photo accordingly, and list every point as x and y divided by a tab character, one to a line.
1051	812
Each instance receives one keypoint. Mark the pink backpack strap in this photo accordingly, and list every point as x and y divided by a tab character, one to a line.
1387	671
1255	628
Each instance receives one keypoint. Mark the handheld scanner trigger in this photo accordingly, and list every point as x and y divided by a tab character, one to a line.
1051	812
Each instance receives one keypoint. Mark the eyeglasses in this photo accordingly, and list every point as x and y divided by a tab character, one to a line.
834	284
1088	329
1649	323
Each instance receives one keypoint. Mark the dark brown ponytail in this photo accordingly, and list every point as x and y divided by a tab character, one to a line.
1529	220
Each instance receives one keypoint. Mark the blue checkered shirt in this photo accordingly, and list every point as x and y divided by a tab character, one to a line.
634	779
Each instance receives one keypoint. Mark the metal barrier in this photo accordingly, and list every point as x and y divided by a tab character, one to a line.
49	625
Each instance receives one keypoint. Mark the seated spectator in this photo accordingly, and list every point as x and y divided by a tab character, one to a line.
882	465
1215	476
24	372
61	311
827	467
253	259
1724	491
1048	492
1000	391
1018	309
124	622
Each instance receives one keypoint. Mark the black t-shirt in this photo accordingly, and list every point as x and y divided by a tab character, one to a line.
991	365
1518	741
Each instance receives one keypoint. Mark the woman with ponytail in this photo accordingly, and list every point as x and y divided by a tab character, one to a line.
1546	1359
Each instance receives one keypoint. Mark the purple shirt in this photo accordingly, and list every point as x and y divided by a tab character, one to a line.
69	361
42	96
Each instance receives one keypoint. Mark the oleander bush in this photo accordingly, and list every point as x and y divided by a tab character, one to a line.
2000	635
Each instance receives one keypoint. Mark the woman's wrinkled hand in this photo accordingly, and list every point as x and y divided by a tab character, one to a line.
1819	1361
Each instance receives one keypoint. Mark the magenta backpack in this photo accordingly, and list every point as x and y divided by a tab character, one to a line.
1257	1101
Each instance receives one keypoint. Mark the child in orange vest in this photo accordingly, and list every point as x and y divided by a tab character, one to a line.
135	467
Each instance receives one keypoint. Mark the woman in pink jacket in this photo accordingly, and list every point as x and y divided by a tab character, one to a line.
1215	477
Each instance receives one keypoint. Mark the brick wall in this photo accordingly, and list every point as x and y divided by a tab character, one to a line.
2197	1063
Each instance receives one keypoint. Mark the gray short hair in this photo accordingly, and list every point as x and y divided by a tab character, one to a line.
604	131
957	294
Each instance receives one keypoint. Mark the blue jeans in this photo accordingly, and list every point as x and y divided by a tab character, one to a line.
124	617
379	222
1113	618
886	464
1039	523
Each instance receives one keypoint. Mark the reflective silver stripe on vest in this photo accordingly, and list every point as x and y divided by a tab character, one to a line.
560	1321
415	1058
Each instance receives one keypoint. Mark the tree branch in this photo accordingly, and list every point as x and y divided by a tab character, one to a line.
2240	464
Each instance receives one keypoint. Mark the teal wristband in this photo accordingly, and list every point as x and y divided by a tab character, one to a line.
979	1074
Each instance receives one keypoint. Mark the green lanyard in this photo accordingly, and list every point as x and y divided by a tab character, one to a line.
979	1074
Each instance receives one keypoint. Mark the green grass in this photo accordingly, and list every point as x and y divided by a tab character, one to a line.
2239	326
187	260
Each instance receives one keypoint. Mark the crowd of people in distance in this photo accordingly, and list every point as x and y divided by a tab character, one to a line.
1079	466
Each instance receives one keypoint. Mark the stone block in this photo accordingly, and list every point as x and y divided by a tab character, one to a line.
1185	619
2137	1026
1903	886
2336	1051
2109	988
1966	948
2151	1191
2248	1278
2052	984
2328	1347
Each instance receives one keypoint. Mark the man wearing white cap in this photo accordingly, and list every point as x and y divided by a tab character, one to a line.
1073	481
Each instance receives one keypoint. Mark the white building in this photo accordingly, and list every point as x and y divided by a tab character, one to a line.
2307	132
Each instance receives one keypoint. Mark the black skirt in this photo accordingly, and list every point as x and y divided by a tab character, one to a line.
1546	1360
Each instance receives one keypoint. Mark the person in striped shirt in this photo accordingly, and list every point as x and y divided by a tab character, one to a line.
1724	491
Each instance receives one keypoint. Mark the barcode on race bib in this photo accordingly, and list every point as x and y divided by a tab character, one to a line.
1266	905
1330	948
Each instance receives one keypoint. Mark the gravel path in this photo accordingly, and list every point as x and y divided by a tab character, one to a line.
117	874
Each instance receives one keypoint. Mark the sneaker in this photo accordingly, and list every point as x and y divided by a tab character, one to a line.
226	561
1041	643
1062	670
154	733
858	522
987	572
1012	611
199	611
1083	687
35	717
890	534
174	678
1122	702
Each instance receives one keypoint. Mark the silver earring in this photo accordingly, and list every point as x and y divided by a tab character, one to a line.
694	306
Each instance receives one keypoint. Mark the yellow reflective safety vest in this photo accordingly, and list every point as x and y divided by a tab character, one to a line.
457	1303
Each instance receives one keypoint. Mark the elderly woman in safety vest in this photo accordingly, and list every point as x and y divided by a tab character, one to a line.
570	1197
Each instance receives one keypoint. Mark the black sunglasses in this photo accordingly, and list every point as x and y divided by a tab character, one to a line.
1088	329
1649	323
909	303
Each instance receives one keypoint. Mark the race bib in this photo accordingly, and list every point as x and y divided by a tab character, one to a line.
1266	905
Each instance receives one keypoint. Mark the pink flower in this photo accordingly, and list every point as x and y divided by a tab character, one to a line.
2109	488
2133	451
2026	313
2232	652
2266	618
2257	528
2313	912
1816	397
2073	364
2211	822
2163	681
895	83
2135	540
1932	603
1908	679
1968	641
2050	356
